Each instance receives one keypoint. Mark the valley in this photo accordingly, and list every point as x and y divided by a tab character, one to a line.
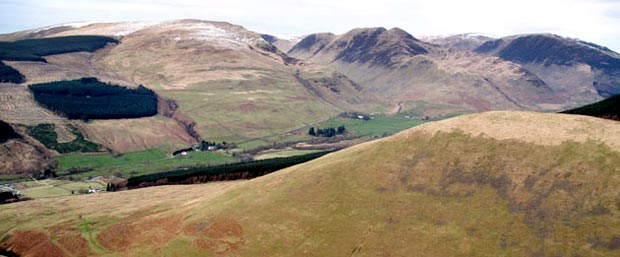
219	82
204	138
509	192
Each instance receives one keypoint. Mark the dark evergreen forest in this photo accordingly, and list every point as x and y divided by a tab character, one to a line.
10	75
7	132
88	98
35	49
233	171
608	109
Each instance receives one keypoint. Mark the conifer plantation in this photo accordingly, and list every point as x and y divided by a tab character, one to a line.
88	98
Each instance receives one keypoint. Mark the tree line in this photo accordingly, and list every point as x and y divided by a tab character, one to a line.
46	134
7	132
206	146
608	108
35	49
10	75
88	98
326	132
204	174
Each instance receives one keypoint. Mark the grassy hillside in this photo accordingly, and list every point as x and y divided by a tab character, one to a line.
234	90
607	109
232	86
445	188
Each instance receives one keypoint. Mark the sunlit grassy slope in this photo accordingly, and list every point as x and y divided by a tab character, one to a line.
491	184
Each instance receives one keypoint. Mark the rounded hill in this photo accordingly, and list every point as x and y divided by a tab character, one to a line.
490	184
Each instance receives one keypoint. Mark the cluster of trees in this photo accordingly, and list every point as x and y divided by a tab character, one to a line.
88	98
35	49
206	146
356	115
10	75
326	132
608	109
46	134
116	186
202	174
7	132
8	197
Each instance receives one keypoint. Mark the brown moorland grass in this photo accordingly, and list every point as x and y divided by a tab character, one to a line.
35	243
76	245
430	191
531	127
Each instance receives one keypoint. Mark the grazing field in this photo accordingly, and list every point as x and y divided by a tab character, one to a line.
54	187
225	172
285	153
380	126
133	163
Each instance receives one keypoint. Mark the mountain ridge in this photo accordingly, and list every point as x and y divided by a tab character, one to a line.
588	66
406	70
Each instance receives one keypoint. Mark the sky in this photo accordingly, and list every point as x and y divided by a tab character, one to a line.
596	21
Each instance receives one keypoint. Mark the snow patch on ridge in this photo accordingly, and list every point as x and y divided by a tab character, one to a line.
78	24
218	36
125	29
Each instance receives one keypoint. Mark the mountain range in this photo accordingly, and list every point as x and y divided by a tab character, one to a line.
222	82
506	177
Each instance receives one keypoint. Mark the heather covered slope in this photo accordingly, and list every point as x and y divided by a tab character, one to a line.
426	79
490	184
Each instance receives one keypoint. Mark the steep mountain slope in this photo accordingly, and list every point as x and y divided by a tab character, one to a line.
224	81
466	42
490	184
579	70
20	154
283	44
424	78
